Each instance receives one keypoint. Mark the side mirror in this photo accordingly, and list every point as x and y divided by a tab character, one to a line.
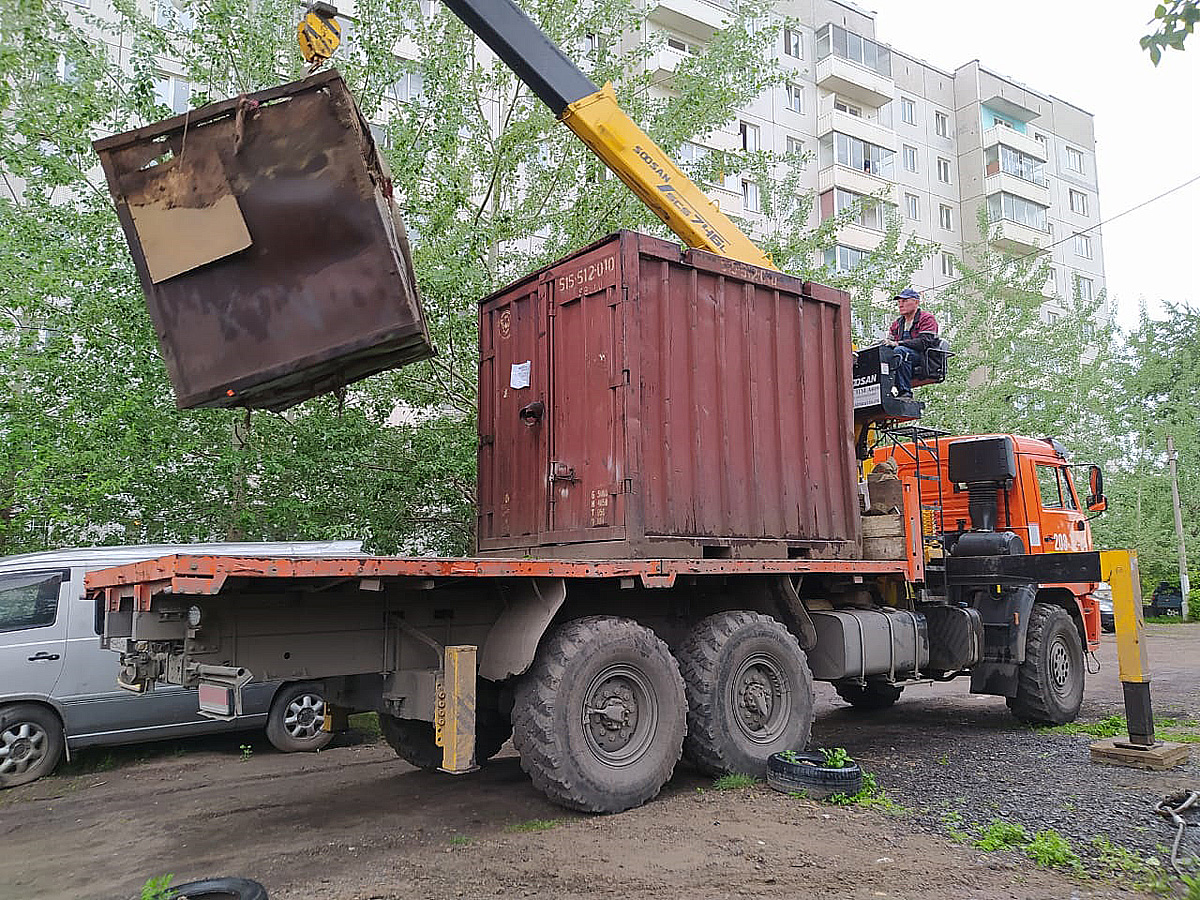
1096	501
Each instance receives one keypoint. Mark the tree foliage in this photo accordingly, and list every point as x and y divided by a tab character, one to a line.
1175	21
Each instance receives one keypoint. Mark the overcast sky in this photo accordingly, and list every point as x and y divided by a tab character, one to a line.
1146	143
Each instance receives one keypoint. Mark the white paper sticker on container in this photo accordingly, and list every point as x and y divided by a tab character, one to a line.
519	377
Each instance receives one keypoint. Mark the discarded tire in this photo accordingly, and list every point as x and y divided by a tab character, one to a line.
220	889
802	773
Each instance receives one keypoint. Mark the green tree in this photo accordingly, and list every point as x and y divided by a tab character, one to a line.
1175	20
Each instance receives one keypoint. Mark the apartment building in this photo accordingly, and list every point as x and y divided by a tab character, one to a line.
938	144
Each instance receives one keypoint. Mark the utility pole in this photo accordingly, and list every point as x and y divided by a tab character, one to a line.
1184	587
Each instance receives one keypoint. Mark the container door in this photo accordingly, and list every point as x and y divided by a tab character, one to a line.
513	432
587	401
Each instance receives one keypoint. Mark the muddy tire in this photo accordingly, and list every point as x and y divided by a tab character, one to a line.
1050	681
599	719
413	739
873	695
749	691
296	719
219	889
31	743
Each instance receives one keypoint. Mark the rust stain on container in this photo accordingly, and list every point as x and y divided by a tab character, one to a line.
273	260
638	400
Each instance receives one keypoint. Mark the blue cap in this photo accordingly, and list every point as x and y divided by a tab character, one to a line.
908	294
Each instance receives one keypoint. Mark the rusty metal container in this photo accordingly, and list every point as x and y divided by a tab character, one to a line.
637	400
272	258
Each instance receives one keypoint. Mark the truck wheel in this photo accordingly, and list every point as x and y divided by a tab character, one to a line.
296	718
1050	681
749	691
599	719
872	695
413	739
31	742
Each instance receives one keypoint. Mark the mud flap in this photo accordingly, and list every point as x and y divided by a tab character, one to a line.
1005	617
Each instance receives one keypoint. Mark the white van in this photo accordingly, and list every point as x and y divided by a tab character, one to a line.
58	686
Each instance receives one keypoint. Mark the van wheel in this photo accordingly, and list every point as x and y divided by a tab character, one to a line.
599	719
749	691
31	742
296	718
1050	681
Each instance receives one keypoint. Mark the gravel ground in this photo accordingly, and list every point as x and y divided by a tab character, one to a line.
955	763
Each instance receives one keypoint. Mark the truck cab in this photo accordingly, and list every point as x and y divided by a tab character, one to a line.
1042	506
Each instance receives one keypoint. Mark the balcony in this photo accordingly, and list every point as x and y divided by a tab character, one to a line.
854	81
1010	137
1013	237
699	17
664	62
859	237
868	130
997	182
857	182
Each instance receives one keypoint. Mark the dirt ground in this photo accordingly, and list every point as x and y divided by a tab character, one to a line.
354	822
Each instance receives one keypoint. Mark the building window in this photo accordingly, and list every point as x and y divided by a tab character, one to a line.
947	260
407	86
749	135
853	47
791	44
690	152
1083	246
1075	160
910	158
941	124
999	158
379	133
795	98
675	42
1078	201
1051	281
843	259
849	151
1017	209
943	170
849	108
1083	287
172	91
944	217
750	199
794	145
870	212
1040	138
1001	123
912	207
908	111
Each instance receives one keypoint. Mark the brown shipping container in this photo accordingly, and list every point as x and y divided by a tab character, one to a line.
273	262
637	400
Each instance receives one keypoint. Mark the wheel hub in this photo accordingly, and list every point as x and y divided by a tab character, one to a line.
304	716
1060	664
761	698
620	715
21	746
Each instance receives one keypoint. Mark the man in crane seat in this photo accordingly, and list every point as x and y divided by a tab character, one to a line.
910	337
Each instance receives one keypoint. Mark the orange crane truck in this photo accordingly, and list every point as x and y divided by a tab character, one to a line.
675	534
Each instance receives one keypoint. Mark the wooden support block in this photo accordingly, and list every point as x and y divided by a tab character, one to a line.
1162	756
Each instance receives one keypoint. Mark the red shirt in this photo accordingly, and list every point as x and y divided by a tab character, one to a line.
923	324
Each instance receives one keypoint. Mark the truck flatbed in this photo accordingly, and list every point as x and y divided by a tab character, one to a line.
208	575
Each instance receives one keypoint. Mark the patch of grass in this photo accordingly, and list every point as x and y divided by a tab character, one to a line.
366	724
1166	728
870	795
1126	866
1001	834
460	840
1051	849
837	758
158	888
1166	620
88	764
734	782
1191	888
532	825
247	751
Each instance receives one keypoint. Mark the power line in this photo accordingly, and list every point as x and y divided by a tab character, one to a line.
1071	236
